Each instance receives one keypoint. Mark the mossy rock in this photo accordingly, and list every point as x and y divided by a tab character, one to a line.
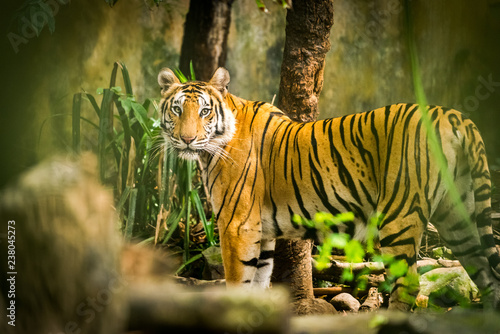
448	286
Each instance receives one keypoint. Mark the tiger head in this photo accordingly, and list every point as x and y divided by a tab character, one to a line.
194	115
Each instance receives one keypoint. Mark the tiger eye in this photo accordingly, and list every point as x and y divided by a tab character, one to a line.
176	110
204	112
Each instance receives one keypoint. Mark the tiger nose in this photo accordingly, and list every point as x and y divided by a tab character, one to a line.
188	140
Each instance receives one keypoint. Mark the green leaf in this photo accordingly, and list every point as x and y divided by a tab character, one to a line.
362	282
117	90
345	217
111	3
372	232
51	22
297	219
321	217
384	258
339	240
398	268
140	114
285	4
180	75
327	219
191	69
354	251
325	250
262	6
347	275
99	91
37	27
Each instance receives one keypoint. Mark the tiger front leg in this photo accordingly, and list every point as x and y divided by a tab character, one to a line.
262	277
241	249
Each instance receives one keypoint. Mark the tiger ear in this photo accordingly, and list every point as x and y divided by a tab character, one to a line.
220	80
166	78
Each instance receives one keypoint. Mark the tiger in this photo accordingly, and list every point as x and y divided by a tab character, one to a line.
260	168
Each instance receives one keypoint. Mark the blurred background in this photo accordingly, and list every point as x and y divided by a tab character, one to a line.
368	65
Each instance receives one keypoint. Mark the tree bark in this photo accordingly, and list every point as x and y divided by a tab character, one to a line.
205	37
306	44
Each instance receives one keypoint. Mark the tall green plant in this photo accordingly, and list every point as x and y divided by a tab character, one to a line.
154	190
434	144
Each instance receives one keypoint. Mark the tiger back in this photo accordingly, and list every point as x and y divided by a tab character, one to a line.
260	168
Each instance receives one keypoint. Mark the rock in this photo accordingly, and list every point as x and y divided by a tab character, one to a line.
446	287
345	302
307	306
213	259
422	301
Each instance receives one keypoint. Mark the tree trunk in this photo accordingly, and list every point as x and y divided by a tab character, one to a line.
307	41
205	37
308	26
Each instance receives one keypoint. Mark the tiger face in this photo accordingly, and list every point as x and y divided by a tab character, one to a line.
195	117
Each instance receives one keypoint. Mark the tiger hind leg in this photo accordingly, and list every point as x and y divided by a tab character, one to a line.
461	235
400	237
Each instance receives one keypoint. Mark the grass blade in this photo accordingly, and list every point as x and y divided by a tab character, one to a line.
187	191
105	130
112	81
207	224
124	121
188	262
77	105
147	242
180	75
129	227
172	222
126	79
191	70
94	103
120	206
131	164
123	199
434	144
